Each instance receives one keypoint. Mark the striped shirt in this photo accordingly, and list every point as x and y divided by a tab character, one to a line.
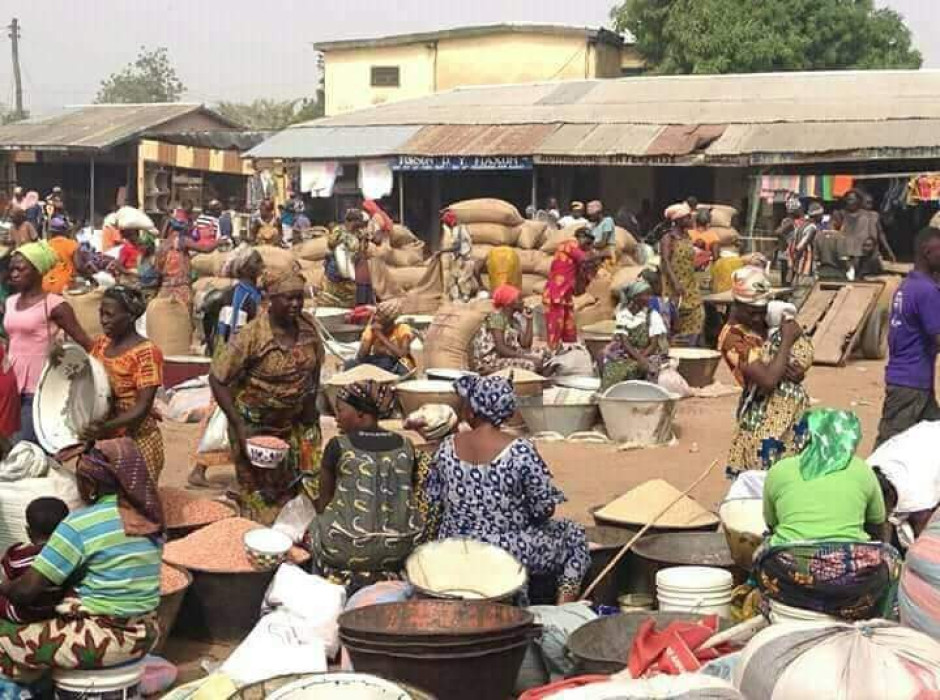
120	574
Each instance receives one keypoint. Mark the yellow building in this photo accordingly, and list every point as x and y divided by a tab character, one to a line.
361	73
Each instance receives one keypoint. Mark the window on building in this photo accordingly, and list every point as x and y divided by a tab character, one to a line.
385	76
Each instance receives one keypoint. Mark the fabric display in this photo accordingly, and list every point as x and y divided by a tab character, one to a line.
923	188
318	177
375	178
827	188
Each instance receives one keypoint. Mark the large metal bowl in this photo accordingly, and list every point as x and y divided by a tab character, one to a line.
564	419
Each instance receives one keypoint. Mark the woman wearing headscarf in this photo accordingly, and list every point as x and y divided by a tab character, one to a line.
22	231
370	497
59	278
488	486
380	224
135	373
641	339
567	276
823	505
770	365
460	269
505	337
266	381
32	320
677	256
172	260
348	281
107	557
266	226
603	230
385	342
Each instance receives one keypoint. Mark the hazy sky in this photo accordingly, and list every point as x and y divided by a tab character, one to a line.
239	50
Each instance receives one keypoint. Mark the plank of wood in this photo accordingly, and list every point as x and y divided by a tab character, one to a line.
814	308
836	334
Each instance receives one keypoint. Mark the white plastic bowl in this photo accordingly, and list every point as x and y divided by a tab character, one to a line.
69	396
264	457
341	686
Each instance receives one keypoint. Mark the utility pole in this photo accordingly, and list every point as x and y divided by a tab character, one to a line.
17	79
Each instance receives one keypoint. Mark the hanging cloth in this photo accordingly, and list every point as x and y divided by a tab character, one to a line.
318	177
842	184
375	178
827	188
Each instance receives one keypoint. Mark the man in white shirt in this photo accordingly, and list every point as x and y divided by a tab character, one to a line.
574	216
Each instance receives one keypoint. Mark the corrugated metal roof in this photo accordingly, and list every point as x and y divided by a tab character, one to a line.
94	127
305	142
477	140
596	140
685	140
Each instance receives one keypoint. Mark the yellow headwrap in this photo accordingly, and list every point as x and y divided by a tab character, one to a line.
40	255
284	282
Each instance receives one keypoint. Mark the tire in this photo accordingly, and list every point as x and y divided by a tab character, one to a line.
874	340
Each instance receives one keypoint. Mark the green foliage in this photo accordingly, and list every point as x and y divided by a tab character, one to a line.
9	116
265	114
150	78
748	36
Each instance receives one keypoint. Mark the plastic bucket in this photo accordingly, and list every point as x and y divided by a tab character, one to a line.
118	683
699	589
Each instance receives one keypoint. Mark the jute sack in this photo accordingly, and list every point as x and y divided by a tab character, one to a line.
169	325
493	234
447	343
726	236
722	214
314	250
553	239
534	262
407	278
533	284
314	274
208	284
532	234
276	259
624	242
624	276
481	252
86	307
417	302
208	264
486	211
402	236
408	256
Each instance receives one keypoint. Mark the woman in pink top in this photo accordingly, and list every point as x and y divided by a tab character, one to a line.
32	322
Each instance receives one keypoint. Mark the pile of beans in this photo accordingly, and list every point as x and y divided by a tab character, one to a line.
219	548
182	509
172	580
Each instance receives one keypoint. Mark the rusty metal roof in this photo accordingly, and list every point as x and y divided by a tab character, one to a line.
445	140
595	140
96	127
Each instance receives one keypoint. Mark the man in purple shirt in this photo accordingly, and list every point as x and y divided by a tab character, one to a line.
913	339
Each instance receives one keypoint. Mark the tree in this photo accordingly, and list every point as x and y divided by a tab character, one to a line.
740	36
271	115
150	78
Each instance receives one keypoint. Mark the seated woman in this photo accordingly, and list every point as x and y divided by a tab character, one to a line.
109	555
505	338
823	506
488	486
369	517
770	366
641	341
135	373
385	342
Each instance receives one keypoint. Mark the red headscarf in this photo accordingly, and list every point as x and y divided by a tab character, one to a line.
372	209
449	218
505	295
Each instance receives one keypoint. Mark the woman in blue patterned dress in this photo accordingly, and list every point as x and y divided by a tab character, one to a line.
490	487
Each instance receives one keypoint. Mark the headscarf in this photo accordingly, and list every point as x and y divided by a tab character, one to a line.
449	218
490	398
751	286
815	209
635	289
757	260
577	207
238	260
374	398
373	210
40	255
118	465
389	310
594	207
131	299
57	224
833	436
505	295
283	282
793	204
677	211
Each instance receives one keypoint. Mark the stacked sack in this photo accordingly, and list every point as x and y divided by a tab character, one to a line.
403	254
722	223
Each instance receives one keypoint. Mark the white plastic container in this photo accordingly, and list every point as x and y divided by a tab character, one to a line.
696	589
341	686
118	683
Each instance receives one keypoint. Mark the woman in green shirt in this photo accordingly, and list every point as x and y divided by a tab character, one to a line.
824	507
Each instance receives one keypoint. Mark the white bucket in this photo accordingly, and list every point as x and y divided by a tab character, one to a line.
118	683
787	613
697	589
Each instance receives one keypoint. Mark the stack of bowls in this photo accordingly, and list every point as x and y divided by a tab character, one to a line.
704	590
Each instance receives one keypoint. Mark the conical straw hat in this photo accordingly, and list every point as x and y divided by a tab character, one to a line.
639	505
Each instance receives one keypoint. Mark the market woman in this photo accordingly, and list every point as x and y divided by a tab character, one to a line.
488	486
641	339
348	281
824	506
369	512
266	228
172	261
32	322
505	337
266	382
108	555
680	285
769	365
135	372
386	342
568	275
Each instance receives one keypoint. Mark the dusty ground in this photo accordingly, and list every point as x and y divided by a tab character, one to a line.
593	474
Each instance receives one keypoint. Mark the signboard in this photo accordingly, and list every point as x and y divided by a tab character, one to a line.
457	163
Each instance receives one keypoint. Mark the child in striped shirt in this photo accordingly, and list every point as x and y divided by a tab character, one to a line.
43	515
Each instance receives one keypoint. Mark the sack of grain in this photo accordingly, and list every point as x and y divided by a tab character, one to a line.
402	236
553	238
533	284
447	343
532	234
208	284
314	249
624	242
408	256
722	214
407	278
493	234
486	211
169	325
726	236
86	306
276	259
313	273
481	252
208	264
624	276
417	302
534	262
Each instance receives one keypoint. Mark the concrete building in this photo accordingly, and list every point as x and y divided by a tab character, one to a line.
362	73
